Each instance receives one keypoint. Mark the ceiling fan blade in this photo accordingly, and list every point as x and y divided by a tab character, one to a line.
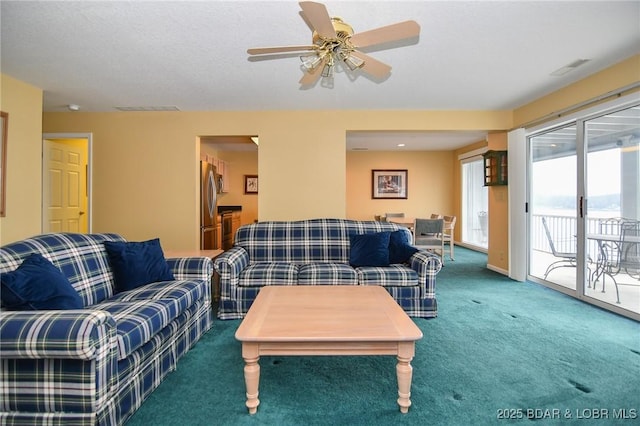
373	66
279	49
310	77
318	17
393	32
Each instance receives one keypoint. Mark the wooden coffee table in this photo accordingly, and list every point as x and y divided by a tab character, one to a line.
327	320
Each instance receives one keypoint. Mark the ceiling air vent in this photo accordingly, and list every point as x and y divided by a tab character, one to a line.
147	108
569	67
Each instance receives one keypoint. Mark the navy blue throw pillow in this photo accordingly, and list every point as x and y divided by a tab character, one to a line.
38	285
399	248
137	263
369	249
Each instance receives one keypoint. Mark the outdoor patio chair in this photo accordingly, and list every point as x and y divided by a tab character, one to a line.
566	259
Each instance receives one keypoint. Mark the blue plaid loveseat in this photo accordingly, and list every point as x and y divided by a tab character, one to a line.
95	366
316	252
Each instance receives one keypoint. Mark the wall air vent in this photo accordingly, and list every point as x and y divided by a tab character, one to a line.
359	149
147	108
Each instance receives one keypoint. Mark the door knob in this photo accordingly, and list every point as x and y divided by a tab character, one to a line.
81	213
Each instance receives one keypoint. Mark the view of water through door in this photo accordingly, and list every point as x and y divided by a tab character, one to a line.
584	209
553	225
613	212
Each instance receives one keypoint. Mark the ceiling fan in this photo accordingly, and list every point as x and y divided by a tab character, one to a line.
333	40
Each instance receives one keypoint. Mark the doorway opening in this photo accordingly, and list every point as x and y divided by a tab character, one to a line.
66	182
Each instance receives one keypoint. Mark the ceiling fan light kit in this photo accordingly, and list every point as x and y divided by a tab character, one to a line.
334	41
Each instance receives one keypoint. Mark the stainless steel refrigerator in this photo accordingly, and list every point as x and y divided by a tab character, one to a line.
208	206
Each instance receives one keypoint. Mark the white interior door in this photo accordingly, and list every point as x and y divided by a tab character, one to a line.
65	196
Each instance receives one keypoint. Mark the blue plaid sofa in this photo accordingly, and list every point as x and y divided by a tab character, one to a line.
95	366
317	252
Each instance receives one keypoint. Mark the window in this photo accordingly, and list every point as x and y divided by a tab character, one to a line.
475	203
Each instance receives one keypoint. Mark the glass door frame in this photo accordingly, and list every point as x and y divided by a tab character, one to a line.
579	119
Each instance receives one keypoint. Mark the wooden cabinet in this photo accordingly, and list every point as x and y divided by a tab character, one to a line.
236	222
495	168
230	222
223	170
219	232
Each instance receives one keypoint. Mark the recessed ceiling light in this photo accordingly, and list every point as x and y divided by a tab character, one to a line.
400	144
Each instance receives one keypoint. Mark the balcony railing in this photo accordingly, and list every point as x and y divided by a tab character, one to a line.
563	230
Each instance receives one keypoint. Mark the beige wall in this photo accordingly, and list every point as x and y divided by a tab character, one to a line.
498	255
146	182
23	103
430	183
620	75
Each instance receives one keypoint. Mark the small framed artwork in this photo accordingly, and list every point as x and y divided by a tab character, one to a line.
4	126
250	184
389	184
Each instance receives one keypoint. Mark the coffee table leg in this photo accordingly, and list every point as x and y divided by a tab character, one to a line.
251	375
404	371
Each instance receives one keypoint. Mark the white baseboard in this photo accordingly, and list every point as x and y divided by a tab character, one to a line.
498	270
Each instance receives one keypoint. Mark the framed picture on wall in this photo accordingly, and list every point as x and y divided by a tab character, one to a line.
389	184
250	184
4	124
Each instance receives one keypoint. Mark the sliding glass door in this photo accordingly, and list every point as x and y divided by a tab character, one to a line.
613	208
584	208
475	204
553	219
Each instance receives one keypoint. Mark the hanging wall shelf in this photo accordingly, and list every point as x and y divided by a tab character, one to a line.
495	168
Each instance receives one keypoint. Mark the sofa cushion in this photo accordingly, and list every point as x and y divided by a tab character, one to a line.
369	249
184	293
269	273
393	276
327	274
81	258
137	322
37	284
137	263
399	248
305	241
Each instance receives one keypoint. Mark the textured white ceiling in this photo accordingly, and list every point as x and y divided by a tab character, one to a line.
471	55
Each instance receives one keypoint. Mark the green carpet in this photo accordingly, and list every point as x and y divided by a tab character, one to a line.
499	350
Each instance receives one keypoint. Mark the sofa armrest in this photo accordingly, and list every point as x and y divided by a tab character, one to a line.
427	265
71	334
191	268
230	263
57	361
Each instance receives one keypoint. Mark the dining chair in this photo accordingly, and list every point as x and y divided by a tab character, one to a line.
429	235
394	215
436	216
449	226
